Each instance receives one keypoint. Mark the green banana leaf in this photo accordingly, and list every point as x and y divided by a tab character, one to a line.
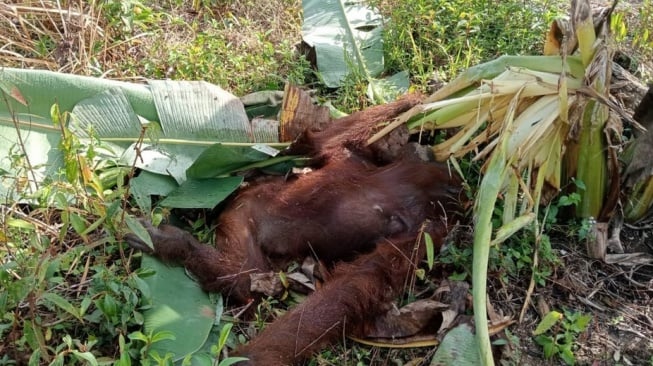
182	118
179	306
346	35
457	348
347	38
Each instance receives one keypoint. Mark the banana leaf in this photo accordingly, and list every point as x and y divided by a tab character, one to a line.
347	38
343	33
182	118
178	306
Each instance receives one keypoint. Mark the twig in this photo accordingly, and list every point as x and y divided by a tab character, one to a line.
21	143
38	223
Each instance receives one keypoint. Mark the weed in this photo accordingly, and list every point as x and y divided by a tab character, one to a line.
557	334
513	259
513	352
70	292
227	43
351	96
147	355
129	16
459	258
630	26
216	349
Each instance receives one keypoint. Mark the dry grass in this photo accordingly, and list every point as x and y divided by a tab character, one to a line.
241	45
47	34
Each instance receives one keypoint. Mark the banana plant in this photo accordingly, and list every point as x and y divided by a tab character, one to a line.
517	115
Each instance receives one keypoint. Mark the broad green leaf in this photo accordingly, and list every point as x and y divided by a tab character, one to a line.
347	35
162	335
19	223
137	228
389	88
156	184
139	336
565	349
458	347
224	333
12	91
190	115
198	359
201	111
548	345
109	306
78	222
266	104
220	159
179	306
58	360
577	322
61	303
147	184
86	356
166	159
202	193
549	320
124	360
41	89
232	360
107	114
40	141
34	338
86	302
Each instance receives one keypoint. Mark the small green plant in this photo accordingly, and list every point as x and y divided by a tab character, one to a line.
130	16
459	258
513	259
216	350
147	355
68	290
513	350
643	36
634	31
557	333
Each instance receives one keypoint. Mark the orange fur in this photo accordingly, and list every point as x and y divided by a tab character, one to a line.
360	218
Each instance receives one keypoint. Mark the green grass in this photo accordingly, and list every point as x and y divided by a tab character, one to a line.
230	45
438	39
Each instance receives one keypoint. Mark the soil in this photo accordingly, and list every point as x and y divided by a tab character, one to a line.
618	297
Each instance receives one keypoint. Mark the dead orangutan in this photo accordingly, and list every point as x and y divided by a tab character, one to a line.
360	216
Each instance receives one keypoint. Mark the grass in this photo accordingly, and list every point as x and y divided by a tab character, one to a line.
438	39
230	44
70	294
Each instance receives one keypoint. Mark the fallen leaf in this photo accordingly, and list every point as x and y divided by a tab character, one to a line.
409	320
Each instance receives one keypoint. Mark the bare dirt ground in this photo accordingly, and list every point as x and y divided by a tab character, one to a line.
618	296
